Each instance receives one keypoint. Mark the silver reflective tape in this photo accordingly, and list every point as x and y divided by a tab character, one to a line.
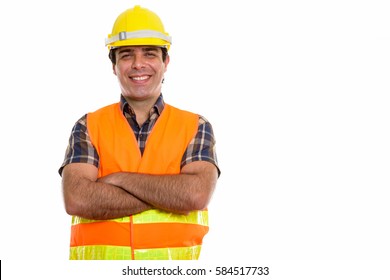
138	34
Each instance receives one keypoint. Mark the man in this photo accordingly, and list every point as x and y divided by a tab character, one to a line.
138	175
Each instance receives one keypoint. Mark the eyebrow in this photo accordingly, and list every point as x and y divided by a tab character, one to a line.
146	49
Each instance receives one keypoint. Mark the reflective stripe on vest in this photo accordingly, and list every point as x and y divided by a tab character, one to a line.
125	253
153	234
154	215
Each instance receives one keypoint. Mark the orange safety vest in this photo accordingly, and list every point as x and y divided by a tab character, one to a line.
152	234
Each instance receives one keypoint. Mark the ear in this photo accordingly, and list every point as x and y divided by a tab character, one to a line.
114	69
166	62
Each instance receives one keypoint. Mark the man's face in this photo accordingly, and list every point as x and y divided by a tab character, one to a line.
140	71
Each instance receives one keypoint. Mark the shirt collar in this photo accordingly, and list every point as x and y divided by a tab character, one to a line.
158	106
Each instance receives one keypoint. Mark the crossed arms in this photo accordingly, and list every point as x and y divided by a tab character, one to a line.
122	194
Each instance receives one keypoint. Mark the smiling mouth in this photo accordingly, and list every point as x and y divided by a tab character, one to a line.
142	78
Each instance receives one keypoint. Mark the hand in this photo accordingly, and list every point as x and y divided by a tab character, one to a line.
111	179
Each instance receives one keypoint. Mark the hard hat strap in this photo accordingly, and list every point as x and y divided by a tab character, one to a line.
138	34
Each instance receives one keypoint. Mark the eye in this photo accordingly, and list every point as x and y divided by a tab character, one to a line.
150	54
125	55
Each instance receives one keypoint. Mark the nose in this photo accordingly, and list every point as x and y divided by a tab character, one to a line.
138	61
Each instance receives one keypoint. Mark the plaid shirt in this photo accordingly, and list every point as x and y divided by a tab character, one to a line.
80	148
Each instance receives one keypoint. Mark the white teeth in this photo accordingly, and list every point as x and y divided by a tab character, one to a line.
140	78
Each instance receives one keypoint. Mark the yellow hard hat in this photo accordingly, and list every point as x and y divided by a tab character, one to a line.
138	27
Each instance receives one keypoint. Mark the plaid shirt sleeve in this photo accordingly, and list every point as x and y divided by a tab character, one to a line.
202	147
80	148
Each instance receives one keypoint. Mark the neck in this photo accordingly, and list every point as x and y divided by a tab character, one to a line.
141	108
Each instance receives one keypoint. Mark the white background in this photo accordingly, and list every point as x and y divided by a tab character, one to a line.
297	92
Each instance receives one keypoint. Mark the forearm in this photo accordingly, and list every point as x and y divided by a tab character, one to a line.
97	200
179	193
160	191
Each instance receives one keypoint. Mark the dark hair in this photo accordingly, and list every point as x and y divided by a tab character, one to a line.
112	57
